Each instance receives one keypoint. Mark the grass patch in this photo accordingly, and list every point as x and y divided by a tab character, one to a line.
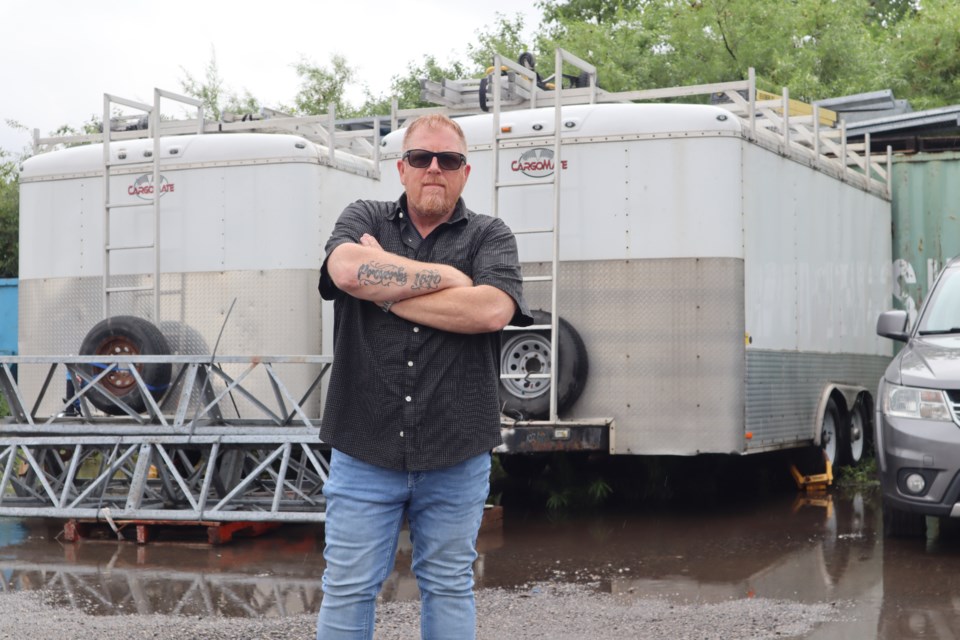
861	476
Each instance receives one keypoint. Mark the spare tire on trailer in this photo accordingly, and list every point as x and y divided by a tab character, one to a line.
125	336
527	352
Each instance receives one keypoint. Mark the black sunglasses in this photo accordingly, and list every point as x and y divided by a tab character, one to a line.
447	160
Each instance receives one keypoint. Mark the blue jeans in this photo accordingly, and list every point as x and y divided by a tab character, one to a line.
365	509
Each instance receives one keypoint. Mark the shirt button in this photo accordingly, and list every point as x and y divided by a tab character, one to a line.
401	434
416	329
408	399
410	363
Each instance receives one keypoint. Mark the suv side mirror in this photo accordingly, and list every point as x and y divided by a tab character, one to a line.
893	325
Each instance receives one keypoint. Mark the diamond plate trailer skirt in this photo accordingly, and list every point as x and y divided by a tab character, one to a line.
669	363
270	312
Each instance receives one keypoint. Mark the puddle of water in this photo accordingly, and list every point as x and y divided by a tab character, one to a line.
827	550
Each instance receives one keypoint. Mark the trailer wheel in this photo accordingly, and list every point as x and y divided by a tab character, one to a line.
858	434
830	432
125	336
528	352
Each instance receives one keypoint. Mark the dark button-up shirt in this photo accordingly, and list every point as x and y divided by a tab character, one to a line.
402	395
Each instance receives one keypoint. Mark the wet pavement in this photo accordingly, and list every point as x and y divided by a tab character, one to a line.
823	550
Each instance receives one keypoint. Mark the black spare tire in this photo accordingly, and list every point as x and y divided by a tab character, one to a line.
125	336
528	352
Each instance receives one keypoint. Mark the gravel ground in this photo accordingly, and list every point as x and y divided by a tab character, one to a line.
548	610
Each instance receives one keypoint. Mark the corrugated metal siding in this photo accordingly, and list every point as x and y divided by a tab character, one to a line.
926	220
783	390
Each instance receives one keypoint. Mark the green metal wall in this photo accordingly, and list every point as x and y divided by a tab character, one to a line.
926	222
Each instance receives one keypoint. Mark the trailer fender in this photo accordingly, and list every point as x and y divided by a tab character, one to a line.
528	352
841	426
125	336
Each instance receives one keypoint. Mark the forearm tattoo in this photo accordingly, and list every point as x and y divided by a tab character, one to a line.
384	275
426	279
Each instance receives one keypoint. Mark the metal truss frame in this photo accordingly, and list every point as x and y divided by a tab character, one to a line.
181	459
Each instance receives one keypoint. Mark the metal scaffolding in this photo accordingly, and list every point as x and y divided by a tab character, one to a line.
181	459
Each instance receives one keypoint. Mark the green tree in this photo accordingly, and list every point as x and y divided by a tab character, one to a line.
215	97
322	87
926	55
589	11
505	37
818	48
9	215
407	87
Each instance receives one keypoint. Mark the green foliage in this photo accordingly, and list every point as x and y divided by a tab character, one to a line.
818	48
863	476
926	53
504	37
215	97
9	215
589	11
887	13
322	87
406	88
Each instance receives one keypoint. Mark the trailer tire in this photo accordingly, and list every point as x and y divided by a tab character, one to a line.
831	429
125	336
528	352
482	93
857	438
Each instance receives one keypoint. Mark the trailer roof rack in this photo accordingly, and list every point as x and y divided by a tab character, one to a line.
808	133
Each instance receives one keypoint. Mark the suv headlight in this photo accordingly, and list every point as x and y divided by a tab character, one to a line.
910	402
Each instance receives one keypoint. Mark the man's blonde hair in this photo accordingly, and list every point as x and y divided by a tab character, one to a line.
434	121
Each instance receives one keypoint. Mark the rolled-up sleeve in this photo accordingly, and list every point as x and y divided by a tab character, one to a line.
356	220
496	263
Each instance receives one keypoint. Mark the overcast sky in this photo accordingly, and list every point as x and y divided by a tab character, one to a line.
58	57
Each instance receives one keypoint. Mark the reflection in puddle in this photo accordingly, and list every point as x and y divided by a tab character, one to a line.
810	550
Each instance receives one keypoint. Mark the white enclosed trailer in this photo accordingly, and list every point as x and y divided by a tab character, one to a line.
723	290
723	264
718	266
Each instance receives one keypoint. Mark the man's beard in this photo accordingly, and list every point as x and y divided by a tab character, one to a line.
434	204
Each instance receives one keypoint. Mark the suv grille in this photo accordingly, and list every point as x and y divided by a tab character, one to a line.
954	396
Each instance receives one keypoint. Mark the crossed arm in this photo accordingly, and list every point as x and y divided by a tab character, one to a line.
434	295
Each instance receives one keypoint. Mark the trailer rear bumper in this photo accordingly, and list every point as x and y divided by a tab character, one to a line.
541	436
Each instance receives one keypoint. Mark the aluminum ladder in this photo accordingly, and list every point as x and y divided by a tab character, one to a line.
553	231
111	167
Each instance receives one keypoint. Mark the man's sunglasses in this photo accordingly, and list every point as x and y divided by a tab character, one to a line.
447	160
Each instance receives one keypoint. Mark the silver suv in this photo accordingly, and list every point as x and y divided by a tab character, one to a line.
918	411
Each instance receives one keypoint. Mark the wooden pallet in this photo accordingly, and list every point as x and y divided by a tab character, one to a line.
144	531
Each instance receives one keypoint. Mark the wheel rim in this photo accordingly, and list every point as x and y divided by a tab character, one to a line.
119	381
828	436
526	354
856	436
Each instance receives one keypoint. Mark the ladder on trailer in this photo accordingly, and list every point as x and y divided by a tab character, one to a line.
114	160
500	137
